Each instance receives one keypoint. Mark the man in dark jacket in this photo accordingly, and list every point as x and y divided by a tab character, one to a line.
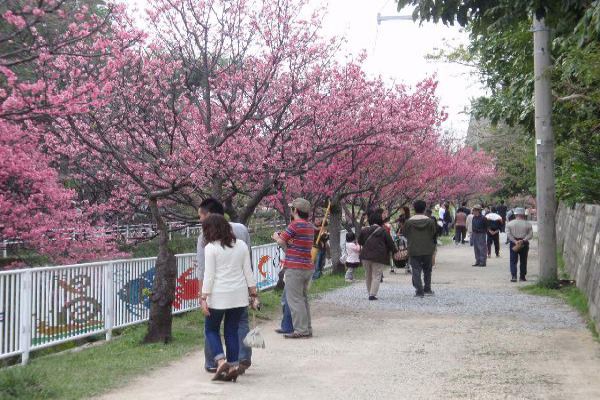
502	210
479	233
420	232
377	248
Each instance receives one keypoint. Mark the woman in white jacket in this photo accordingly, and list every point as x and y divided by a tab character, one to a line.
228	284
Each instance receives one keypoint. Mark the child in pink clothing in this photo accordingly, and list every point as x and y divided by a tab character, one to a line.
352	253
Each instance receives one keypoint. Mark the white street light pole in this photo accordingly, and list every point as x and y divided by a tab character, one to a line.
392	18
544	152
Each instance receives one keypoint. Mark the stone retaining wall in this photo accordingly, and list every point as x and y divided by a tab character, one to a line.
578	235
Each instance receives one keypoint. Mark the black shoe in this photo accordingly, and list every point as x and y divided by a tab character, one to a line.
282	332
522	279
429	293
482	265
298	336
373	298
476	265
421	295
211	370
513	279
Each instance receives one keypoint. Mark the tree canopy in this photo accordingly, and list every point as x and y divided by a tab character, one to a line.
500	49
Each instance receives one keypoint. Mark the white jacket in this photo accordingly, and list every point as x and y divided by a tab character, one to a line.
227	275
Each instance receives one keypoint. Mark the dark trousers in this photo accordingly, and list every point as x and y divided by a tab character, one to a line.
493	239
521	256
421	264
480	247
460	234
212	325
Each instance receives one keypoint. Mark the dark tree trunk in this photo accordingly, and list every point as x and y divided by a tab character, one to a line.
246	213
163	287
335	230
230	209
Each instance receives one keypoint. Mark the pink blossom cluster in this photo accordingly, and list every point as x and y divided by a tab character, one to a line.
238	99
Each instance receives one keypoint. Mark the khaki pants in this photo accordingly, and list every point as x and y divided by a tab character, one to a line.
373	272
297	282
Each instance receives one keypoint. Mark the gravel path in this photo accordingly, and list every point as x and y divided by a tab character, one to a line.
478	338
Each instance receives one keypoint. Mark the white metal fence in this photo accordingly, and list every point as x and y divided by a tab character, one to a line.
42	307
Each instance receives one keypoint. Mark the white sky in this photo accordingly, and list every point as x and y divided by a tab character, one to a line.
396	51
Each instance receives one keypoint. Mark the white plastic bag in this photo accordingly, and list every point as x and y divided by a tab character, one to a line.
255	339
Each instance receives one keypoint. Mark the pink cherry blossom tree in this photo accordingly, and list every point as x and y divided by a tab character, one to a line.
47	48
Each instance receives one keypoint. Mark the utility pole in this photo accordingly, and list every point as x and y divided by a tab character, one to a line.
544	152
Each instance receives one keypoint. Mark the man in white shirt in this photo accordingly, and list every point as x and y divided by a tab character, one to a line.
208	207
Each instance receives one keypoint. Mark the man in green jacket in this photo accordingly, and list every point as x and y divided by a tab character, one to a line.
420	232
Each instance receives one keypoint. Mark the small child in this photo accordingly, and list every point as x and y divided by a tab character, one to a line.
352	256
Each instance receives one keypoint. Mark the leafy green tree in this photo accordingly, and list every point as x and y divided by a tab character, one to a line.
501	50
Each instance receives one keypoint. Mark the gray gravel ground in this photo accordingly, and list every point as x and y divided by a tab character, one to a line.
478	338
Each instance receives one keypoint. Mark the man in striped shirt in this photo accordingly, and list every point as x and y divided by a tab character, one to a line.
297	241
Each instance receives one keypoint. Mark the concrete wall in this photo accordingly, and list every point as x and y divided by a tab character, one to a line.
578	234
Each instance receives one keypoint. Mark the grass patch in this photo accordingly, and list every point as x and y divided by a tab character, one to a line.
92	371
449	239
572	295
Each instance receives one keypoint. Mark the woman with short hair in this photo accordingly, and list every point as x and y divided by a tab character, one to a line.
228	284
377	247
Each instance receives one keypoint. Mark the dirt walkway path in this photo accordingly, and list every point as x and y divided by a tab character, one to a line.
478	338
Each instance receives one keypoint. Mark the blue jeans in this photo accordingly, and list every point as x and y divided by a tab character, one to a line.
236	329
319	265
286	321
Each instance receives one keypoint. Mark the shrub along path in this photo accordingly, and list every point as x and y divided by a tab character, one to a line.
479	337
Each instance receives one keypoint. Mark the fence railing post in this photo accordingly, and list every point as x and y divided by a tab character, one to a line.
109	297
25	316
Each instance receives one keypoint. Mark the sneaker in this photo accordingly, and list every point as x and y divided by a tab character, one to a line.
430	293
373	298
513	279
522	279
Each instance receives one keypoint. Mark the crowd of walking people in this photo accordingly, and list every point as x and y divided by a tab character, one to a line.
228	288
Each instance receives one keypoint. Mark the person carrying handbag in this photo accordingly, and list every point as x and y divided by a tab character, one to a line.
228	286
377	246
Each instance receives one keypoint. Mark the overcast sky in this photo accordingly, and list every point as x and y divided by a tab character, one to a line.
397	49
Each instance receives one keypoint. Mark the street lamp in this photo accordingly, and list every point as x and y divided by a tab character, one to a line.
392	17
